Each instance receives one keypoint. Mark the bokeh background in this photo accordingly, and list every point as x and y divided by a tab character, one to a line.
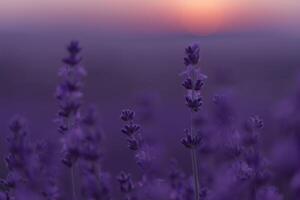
133	49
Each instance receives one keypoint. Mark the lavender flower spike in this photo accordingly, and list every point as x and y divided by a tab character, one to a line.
191	141
69	96
193	83
126	185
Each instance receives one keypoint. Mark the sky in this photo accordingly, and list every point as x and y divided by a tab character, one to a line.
194	16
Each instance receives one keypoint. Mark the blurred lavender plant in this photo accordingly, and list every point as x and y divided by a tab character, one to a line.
95	181
82	137
28	169
126	186
135	140
131	129
69	95
193	83
181	187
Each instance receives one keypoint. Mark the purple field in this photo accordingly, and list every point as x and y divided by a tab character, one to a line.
243	124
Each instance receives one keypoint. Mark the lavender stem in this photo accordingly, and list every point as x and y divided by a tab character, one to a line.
74	196
195	165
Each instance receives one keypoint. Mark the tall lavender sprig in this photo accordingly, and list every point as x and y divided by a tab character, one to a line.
20	152
95	182
253	155
69	97
134	139
68	92
193	83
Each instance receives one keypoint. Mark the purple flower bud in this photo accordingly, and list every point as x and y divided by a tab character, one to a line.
127	115
73	50
188	84
193	103
74	47
192	55
125	181
130	129
133	144
190	141
198	85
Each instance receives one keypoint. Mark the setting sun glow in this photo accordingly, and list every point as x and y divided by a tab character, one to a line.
204	16
193	16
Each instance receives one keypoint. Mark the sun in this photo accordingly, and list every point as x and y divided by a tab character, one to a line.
203	16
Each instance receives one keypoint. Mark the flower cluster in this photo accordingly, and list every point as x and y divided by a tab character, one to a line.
69	95
131	130
135	141
191	141
95	182
194	78
28	170
68	92
193	83
82	137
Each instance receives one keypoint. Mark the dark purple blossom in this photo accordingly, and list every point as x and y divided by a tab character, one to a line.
131	130
194	103
73	49
191	141
188	84
192	55
127	115
126	184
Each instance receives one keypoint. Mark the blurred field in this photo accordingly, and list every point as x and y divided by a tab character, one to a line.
261	69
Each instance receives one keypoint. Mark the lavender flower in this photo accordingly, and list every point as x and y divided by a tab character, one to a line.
135	142
131	130
95	182
193	83
73	49
191	141
27	170
192	55
69	96
127	115
126	186
68	92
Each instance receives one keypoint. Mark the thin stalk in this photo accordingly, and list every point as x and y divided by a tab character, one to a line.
196	174
74	196
195	165
70	125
